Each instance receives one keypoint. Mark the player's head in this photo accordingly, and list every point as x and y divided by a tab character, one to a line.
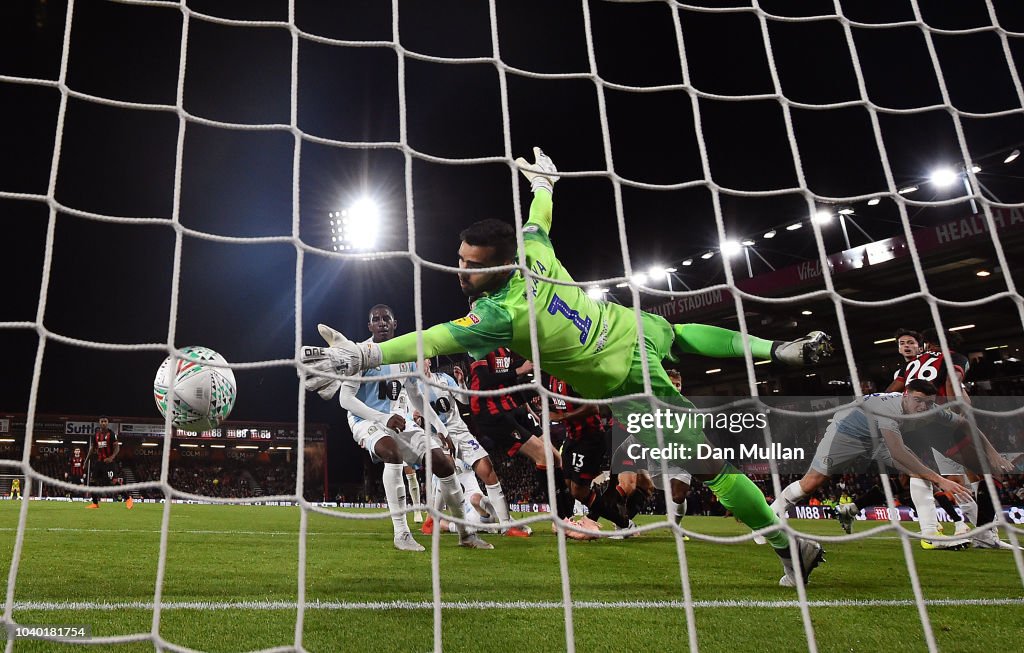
908	343
382	323
104	422
485	244
677	380
930	340
919	396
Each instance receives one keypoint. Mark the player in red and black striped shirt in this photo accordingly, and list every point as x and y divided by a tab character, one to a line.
507	421
583	452
931	366
106	447
76	467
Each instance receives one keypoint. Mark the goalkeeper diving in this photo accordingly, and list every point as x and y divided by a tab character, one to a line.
593	345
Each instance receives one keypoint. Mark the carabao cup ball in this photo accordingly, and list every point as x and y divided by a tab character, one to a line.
203	395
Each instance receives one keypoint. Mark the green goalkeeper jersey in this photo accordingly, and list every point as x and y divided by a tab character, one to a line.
587	343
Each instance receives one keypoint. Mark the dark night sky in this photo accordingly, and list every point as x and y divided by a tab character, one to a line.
111	282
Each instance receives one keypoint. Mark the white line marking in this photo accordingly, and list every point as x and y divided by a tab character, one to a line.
496	605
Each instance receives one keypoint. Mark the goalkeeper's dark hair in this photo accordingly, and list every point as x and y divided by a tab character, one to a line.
916	335
924	387
931	337
381	307
492	233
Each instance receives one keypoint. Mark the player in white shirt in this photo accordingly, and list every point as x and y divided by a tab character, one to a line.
850	437
386	430
478	508
468	449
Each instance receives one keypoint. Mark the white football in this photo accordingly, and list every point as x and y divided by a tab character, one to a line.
203	394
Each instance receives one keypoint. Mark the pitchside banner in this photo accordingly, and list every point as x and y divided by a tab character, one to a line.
790	435
141	429
1013	514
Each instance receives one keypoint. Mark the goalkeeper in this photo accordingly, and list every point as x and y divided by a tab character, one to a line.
593	345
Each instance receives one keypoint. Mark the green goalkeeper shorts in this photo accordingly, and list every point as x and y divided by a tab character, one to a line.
658	339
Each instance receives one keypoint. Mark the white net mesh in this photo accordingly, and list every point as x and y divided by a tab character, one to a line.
582	71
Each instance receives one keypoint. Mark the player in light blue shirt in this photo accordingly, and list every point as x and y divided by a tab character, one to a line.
386	430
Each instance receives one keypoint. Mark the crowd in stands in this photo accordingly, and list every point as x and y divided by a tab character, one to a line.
223	479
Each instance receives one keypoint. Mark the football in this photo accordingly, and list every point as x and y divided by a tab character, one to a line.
203	394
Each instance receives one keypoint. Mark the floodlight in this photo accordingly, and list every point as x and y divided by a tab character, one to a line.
362	224
943	177
730	248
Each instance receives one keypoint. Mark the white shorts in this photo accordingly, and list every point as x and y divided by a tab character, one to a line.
467	448
673	475
470	485
839	452
947	466
412	443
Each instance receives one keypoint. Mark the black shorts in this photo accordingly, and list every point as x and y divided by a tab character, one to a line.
583	458
622	462
508	430
943	439
102	474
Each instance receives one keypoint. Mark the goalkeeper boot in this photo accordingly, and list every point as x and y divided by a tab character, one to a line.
809	555
405	542
943	544
473	541
846	513
428	526
807	350
129	503
93	506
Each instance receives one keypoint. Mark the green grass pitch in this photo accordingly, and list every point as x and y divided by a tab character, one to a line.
231	585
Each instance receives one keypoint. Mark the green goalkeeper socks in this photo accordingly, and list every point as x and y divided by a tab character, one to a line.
717	342
739	495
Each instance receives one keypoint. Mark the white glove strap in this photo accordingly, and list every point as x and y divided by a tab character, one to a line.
541	182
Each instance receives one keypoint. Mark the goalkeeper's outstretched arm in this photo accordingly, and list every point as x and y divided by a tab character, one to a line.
542	175
437	341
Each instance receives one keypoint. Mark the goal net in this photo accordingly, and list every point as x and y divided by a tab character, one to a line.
200	172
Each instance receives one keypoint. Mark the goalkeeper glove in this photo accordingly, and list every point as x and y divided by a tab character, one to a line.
803	351
542	174
341	356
